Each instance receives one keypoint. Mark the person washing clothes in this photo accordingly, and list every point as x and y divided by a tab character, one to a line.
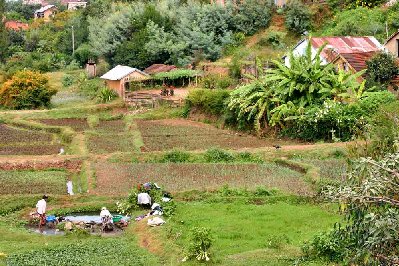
106	219
41	206
105	213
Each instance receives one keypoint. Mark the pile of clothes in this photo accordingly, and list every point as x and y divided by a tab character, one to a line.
144	200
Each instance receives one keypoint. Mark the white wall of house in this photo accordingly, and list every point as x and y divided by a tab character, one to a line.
300	50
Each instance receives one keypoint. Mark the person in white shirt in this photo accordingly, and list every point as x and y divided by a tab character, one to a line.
41	206
106	218
105	213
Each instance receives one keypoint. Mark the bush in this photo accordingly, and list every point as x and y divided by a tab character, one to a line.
330	121
218	156
26	90
84	53
200	243
67	80
298	17
252	15
382	134
273	38
381	68
176	157
217	82
328	245
337	121
106	95
211	102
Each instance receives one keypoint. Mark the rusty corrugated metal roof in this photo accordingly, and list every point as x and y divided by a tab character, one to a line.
347	45
358	60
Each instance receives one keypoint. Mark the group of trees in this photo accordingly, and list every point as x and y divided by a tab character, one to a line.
136	34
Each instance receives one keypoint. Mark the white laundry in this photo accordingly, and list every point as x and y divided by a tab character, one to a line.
143	198
155	221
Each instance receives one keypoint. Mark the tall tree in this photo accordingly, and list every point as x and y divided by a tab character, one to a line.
3	32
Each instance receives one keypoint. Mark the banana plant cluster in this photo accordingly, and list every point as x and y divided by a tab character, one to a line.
283	93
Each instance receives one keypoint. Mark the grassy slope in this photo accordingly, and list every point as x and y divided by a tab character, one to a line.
249	234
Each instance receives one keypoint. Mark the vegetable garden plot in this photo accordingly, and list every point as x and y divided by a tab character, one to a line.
109	143
159	135
77	124
36	149
116	178
111	126
15	141
33	182
10	135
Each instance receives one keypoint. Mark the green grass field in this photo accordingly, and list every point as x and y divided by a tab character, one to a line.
269	234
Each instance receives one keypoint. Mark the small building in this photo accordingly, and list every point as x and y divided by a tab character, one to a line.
392	44
46	12
119	78
336	46
353	62
16	25
158	68
76	5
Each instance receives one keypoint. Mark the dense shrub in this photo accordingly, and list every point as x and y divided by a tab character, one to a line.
252	15
299	17
328	245
382	135
273	38
67	80
106	95
337	121
176	157
381	68
38	61
84	53
26	90
216	155
214	81
208	101
200	242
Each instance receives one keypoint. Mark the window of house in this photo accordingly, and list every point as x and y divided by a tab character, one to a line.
345	66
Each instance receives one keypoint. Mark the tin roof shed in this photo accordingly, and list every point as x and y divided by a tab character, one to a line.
119	72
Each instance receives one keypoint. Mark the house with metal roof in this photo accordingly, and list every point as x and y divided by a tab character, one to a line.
336	46
46	12
119	78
